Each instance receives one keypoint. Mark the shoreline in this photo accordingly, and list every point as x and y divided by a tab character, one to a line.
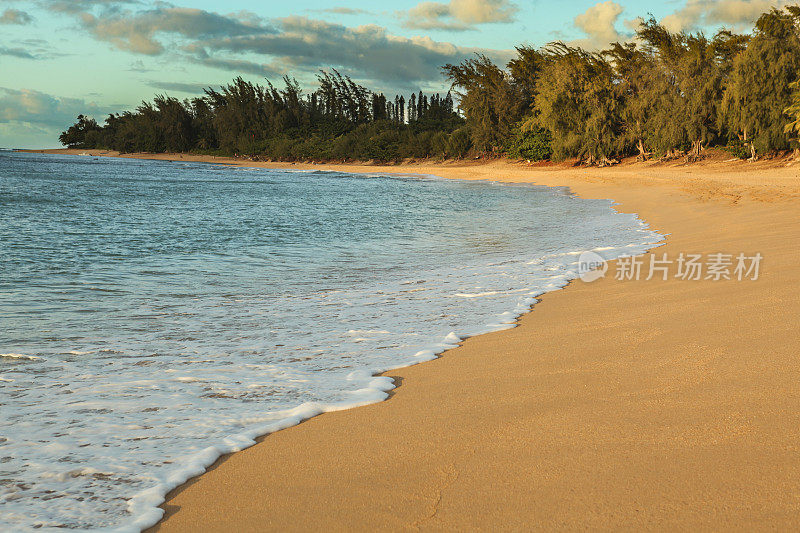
717	177
385	481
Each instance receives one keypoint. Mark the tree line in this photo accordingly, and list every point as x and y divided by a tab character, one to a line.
664	94
339	120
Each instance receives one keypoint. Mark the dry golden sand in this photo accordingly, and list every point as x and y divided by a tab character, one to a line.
614	405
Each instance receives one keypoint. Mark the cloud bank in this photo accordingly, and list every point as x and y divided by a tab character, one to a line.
245	43
365	51
34	107
139	32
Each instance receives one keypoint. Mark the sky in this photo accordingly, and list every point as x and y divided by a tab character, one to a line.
60	58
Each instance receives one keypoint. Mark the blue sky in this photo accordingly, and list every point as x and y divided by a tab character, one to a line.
59	58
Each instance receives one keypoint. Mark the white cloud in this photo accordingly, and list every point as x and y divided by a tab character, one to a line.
599	24
733	13
458	14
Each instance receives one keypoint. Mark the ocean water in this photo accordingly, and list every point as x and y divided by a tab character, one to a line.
154	315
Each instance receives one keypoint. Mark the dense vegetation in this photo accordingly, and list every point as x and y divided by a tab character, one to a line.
663	95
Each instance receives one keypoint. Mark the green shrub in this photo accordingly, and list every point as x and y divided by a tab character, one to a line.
459	143
383	147
534	145
440	144
738	148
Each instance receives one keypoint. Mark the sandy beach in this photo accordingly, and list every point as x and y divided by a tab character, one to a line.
622	405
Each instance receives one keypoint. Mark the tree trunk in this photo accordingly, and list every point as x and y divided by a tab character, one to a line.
694	153
642	152
753	156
